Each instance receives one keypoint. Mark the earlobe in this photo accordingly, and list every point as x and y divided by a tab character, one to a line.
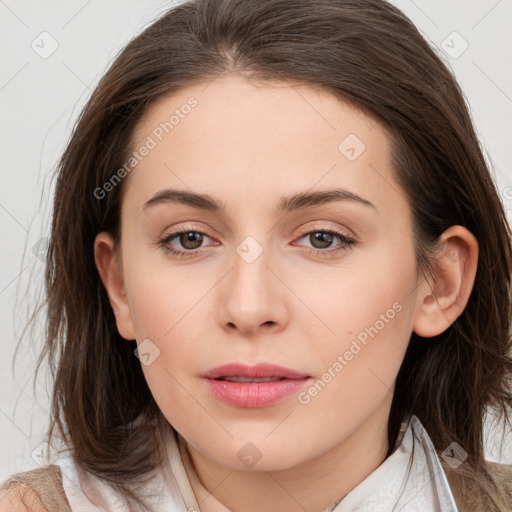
110	270
455	268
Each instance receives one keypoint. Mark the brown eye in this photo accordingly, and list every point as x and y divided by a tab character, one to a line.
190	239
321	239
183	243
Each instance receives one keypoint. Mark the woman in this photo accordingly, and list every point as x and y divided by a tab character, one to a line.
333	333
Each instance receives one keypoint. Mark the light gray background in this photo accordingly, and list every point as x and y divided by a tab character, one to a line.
41	95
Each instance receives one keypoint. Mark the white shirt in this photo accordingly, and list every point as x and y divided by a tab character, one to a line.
386	489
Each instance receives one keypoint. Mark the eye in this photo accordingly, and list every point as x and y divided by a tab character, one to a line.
190	240
322	239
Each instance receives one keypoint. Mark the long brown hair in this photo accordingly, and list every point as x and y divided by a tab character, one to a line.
369	54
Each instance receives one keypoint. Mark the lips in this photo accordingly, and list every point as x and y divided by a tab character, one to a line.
253	386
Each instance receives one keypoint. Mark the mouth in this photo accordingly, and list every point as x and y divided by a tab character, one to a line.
253	386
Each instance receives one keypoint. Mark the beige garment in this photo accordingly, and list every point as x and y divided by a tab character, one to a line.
40	489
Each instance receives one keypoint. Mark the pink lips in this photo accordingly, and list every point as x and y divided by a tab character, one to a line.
253	386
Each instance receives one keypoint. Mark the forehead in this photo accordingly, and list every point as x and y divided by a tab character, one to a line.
233	134
235	108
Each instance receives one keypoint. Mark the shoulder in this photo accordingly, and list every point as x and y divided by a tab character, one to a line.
20	497
502	474
499	469
36	490
466	493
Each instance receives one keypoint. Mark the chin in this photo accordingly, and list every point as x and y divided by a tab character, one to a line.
242	454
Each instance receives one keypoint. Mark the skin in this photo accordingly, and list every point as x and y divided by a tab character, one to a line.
247	144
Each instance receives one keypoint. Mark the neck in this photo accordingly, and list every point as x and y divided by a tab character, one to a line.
313	485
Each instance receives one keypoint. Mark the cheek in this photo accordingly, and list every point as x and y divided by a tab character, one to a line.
371	297
367	316
169	308
160	297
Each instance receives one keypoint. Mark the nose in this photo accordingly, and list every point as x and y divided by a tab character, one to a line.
252	297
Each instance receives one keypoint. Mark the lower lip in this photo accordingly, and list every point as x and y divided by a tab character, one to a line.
254	394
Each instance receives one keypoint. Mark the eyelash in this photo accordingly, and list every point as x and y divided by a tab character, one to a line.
346	242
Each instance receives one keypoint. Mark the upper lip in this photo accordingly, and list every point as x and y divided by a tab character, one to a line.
260	370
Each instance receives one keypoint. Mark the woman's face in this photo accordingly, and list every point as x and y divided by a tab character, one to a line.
301	256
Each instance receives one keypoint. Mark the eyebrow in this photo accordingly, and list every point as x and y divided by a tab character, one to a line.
299	201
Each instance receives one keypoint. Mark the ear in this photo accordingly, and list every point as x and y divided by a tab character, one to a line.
455	268
111	273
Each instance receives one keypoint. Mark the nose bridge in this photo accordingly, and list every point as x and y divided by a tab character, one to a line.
250	264
250	295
